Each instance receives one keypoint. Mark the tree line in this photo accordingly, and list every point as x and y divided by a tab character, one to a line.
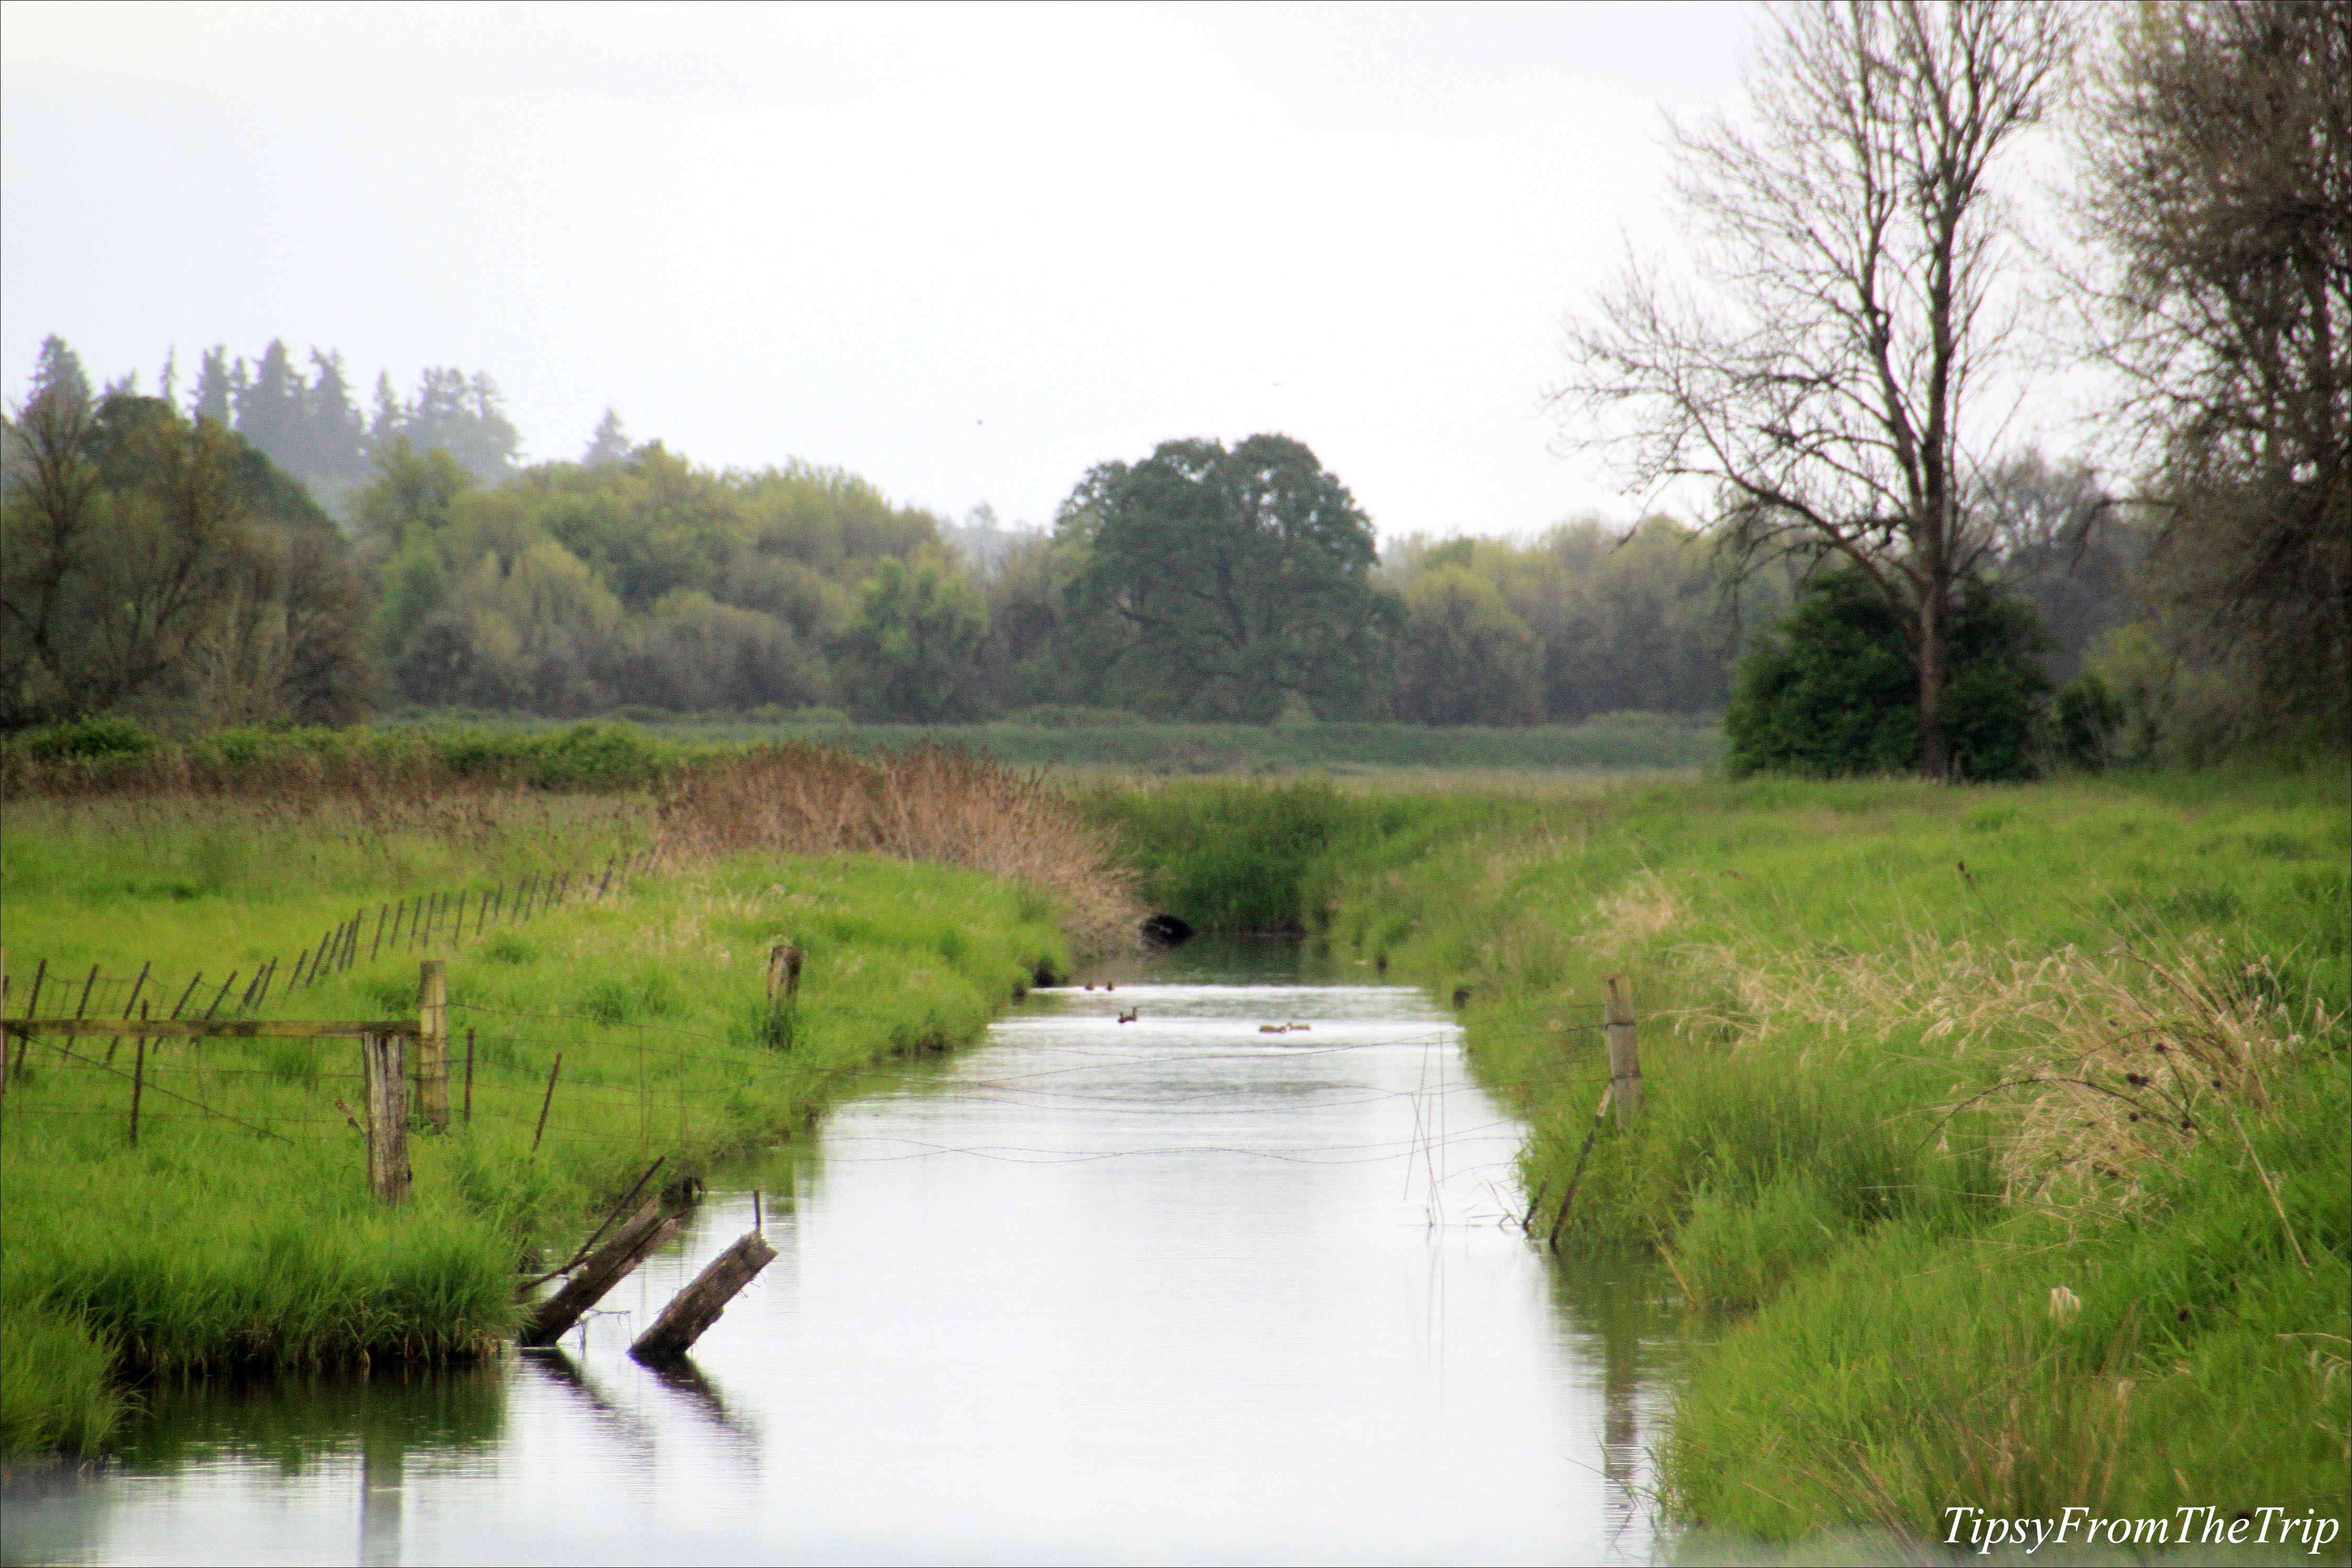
161	564
147	538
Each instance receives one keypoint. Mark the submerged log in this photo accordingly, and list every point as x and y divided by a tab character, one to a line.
685	1319
606	1266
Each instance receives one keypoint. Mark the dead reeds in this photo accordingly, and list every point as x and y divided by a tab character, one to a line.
923	804
2106	1063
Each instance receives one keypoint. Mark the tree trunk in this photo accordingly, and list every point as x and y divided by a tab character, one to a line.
1935	674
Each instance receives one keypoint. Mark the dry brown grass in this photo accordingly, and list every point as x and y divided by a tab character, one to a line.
2107	1063
923	804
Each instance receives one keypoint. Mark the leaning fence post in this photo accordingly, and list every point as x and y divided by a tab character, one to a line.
384	1056
433	1046
1624	1048
696	1307
547	1104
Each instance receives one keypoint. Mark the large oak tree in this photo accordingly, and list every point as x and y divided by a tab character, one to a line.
1220	585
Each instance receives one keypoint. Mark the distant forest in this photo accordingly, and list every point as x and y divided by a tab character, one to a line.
255	549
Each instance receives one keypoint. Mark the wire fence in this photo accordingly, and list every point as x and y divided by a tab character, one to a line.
427	922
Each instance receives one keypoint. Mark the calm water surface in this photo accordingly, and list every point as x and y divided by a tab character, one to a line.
1174	1291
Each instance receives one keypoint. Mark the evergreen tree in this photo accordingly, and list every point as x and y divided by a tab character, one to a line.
1834	689
608	445
216	390
59	374
269	406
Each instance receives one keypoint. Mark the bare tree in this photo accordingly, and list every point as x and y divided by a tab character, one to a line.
2219	200
1849	240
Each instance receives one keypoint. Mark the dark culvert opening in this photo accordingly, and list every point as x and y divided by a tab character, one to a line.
1161	932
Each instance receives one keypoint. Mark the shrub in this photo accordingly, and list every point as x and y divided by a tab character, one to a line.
1835	690
92	737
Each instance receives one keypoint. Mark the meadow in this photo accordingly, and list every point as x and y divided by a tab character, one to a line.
1088	740
1995	1135
240	1229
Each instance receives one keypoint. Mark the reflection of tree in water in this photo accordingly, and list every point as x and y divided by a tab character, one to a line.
1616	1312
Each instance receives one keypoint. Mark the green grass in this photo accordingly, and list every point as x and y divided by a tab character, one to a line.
1618	743
219	1242
1841	986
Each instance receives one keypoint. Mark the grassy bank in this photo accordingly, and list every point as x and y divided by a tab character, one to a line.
2001	1129
241	1230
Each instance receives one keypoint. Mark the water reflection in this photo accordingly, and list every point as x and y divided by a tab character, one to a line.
1176	1289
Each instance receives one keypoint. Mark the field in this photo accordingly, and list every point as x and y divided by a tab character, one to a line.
1656	742
241	1230
1996	1135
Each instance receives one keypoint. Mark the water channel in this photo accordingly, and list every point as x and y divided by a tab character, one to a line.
1170	1290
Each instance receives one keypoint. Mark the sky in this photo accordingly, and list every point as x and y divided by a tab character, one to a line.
964	251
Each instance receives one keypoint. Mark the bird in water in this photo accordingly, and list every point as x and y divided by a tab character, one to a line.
1129	1016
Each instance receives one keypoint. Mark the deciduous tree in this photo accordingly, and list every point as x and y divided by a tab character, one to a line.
1850	237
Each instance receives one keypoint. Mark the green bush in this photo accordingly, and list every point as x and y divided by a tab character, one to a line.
92	737
1835	690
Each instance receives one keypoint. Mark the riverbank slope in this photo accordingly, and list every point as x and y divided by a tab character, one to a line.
2000	1132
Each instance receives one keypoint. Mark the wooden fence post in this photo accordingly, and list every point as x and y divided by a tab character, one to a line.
387	1105
783	974
1624	1048
138	1085
697	1307
605	1268
433	1046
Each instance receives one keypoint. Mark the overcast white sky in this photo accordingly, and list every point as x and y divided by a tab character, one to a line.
965	251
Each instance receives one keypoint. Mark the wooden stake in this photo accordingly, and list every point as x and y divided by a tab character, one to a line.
433	1045
605	1267
469	1075
783	974
1624	1048
138	1087
553	1074
136	986
32	1010
697	1307
376	945
384	1058
85	984
191	991
223	996
1583	1154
